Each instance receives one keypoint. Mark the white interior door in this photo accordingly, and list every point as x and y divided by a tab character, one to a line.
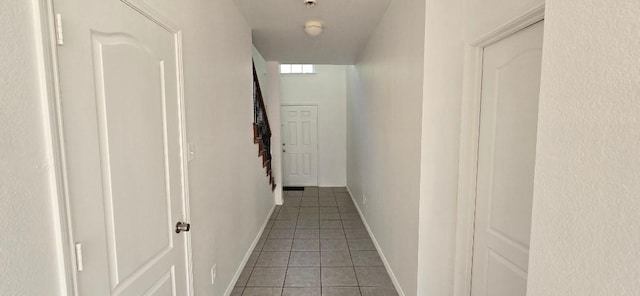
300	145
121	113
506	160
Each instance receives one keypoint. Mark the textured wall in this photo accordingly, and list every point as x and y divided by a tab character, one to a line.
586	221
384	132
28	255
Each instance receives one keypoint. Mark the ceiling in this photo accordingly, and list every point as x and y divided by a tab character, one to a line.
278	29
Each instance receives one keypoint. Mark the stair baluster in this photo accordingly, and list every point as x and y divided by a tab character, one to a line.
262	129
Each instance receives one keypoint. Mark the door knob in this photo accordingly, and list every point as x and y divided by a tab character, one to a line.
284	150
181	226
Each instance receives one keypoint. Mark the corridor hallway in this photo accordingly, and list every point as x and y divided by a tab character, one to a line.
315	244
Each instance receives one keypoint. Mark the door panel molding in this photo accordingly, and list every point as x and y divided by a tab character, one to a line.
301	159
100	42
469	137
169	277
47	55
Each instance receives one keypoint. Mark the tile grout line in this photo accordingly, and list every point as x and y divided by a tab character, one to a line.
353	266
286	272
344	236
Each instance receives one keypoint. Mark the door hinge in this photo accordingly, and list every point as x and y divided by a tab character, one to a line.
59	35
79	263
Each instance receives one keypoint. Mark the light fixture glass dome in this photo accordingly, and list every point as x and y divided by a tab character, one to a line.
313	28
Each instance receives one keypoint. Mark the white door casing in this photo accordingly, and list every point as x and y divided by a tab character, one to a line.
122	118
506	162
300	145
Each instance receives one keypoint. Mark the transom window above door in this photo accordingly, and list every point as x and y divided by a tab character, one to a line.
297	69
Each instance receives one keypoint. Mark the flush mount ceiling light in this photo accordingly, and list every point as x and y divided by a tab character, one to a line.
313	28
310	3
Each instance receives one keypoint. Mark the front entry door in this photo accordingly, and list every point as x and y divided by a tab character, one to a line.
300	145
121	114
506	160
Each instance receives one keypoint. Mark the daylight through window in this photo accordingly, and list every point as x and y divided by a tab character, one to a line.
296	69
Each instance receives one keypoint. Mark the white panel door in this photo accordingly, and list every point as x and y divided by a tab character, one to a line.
506	160
121	112
300	145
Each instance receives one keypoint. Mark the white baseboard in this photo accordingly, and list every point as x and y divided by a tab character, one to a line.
375	243
246	256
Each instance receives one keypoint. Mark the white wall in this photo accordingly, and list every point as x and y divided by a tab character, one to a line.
273	110
230	195
261	68
28	247
449	26
586	226
328	89
269	77
484	16
384	131
443	56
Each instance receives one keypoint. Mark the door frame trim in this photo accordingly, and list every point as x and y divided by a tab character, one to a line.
312	104
469	137
47	55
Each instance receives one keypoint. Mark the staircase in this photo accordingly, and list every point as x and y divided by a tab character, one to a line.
262	129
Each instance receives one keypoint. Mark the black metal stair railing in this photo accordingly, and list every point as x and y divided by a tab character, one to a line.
262	129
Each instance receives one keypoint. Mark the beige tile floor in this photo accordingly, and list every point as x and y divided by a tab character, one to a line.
315	244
